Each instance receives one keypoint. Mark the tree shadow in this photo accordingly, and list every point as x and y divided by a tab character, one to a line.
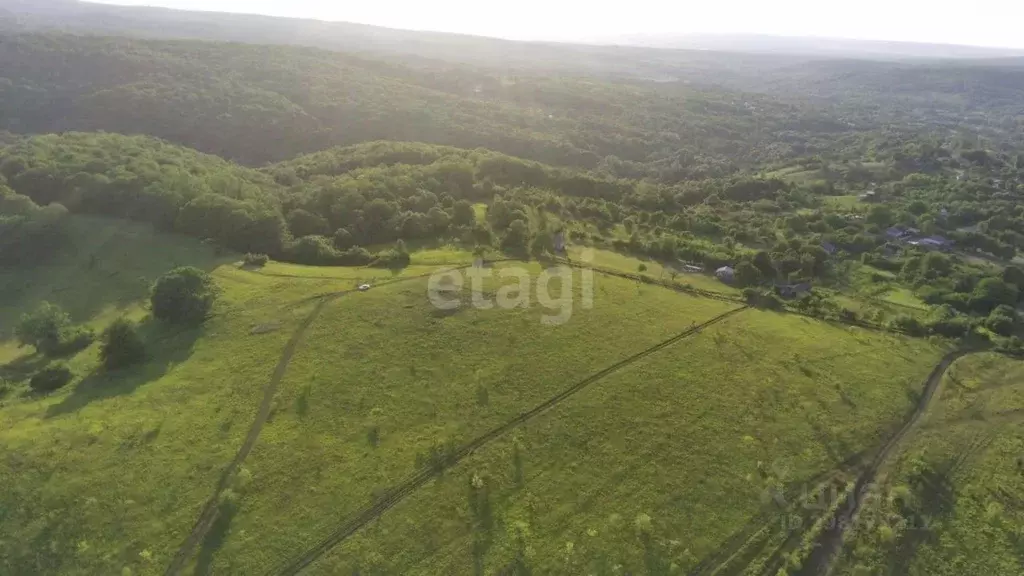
935	497
215	538
22	368
108	263
166	346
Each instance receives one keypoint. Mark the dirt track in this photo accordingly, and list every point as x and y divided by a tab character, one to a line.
830	543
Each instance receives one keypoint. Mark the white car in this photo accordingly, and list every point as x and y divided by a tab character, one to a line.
364	287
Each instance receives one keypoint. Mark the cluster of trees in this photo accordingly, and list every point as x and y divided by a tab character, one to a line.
29	233
49	330
184	297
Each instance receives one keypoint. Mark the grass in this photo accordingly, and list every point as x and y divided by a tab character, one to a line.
848	203
109	473
383	377
952	500
657	465
105	272
654	269
481	212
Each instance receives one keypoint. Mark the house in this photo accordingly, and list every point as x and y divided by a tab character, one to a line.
726	274
691	269
869	196
791	291
933	243
829	248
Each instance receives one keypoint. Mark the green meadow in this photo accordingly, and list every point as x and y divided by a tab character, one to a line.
688	458
383	377
656	468
951	502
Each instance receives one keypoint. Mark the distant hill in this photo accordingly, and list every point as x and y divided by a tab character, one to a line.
811	46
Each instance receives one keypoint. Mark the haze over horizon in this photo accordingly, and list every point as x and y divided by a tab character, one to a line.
990	23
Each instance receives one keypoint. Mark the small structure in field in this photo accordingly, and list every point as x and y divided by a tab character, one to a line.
726	274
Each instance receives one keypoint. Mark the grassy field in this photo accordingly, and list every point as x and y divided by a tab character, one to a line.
104	273
952	501
383	377
674	463
110	471
655	466
653	269
164	430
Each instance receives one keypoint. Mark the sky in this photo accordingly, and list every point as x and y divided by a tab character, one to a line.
996	23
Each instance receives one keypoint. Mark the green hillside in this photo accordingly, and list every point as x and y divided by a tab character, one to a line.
439	305
951	502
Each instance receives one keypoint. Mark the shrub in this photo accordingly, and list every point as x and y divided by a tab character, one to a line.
122	345
343	239
71	340
255	260
391	259
49	330
763	299
42	327
51	378
908	325
183	296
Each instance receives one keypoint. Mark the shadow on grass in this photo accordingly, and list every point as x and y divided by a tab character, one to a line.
215	538
22	368
166	346
107	263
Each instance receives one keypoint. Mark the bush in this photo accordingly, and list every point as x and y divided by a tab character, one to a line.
183	296
122	345
51	378
71	340
49	330
762	299
391	259
908	325
1000	324
256	260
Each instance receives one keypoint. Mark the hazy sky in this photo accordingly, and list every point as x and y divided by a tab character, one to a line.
977	22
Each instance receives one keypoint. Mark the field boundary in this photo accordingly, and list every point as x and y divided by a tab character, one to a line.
423	476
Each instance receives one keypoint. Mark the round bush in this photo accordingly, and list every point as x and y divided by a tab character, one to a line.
51	378
183	296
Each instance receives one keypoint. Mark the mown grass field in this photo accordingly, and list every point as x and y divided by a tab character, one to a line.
654	468
952	500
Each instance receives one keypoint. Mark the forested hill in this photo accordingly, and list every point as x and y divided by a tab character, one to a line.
257	104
